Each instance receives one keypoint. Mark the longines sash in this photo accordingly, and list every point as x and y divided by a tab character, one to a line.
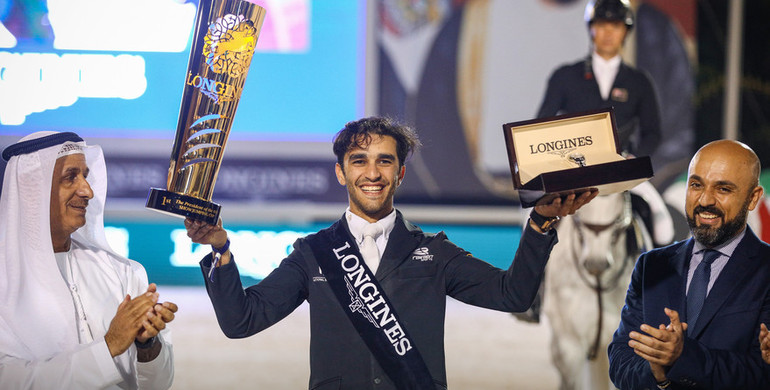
367	307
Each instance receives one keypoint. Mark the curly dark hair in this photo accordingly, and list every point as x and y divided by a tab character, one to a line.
359	134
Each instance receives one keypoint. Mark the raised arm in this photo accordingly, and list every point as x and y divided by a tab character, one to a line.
244	312
476	282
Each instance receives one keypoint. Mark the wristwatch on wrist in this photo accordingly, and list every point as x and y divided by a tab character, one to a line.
147	344
544	223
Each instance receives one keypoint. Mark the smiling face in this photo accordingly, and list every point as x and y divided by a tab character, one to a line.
608	37
371	173
721	190
70	193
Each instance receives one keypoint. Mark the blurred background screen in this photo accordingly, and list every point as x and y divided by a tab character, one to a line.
116	68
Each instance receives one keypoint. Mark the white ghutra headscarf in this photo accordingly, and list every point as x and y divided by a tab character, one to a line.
36	311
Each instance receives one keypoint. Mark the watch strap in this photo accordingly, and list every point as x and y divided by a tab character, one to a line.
544	223
145	345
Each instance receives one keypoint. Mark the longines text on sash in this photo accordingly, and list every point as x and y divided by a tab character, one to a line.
368	291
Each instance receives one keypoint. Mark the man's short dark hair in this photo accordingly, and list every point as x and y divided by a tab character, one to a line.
359	134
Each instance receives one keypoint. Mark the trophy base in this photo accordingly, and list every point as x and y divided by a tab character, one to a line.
184	206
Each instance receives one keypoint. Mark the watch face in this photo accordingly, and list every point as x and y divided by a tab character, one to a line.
548	225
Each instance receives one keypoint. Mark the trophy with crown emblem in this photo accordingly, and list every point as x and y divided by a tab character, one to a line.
226	33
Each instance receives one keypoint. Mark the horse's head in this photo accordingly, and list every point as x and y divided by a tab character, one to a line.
599	234
596	244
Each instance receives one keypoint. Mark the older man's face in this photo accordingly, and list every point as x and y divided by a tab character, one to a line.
70	193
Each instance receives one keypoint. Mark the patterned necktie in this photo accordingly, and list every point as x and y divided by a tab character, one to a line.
369	250
699	286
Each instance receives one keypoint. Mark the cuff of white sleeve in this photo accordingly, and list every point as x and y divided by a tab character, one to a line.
105	364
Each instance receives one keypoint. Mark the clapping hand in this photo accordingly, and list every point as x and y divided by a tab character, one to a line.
156	318
764	343
660	346
128	321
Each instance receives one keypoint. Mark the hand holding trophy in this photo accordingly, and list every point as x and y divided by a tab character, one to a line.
226	33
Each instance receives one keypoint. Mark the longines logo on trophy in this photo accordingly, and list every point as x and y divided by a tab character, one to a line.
226	33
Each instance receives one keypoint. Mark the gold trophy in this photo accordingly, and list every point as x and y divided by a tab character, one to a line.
226	33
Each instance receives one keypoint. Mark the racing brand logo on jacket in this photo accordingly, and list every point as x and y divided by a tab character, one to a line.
320	277
422	254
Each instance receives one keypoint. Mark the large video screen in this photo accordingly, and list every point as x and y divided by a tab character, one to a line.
116	68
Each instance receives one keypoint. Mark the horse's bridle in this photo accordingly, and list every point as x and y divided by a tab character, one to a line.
624	222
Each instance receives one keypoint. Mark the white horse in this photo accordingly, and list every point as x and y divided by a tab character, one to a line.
585	285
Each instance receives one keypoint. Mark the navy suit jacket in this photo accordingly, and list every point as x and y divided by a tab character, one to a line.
721	350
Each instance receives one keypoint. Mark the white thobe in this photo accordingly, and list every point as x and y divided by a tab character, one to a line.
98	283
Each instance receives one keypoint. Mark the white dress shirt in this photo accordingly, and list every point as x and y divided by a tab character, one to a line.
726	250
356	225
605	72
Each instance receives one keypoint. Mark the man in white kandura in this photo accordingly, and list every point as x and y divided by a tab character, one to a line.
74	314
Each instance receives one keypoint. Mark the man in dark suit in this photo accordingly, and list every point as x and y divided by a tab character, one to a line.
377	319
693	309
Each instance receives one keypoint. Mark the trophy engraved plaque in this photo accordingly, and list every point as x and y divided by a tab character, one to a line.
226	33
569	154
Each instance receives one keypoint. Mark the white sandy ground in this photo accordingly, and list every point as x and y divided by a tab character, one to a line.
485	350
